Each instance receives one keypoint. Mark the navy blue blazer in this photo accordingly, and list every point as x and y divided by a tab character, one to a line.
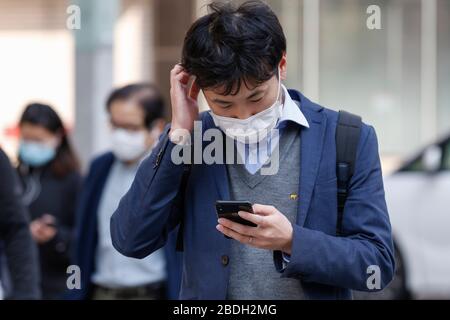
328	266
86	232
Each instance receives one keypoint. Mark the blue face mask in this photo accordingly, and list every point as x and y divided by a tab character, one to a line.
36	154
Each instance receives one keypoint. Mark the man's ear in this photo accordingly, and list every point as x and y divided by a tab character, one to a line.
283	67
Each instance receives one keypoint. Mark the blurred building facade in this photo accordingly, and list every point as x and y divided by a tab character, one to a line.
397	78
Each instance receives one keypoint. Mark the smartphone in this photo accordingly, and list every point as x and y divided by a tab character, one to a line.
230	209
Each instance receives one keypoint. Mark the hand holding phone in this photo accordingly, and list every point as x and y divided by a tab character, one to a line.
229	210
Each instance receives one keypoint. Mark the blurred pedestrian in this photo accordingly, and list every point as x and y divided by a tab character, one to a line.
136	115
49	174
16	244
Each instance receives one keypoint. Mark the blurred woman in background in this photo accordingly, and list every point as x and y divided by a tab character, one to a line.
49	173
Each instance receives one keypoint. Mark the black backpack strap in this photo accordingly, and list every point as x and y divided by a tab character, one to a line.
348	131
184	180
182	191
180	242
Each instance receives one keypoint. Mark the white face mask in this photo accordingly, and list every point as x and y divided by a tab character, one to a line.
254	128
128	145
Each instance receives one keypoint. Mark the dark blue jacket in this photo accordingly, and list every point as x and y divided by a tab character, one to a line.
16	243
86	232
328	266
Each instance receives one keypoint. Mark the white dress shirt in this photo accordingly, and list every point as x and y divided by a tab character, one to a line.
255	155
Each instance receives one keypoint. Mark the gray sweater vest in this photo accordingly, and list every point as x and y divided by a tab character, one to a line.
252	271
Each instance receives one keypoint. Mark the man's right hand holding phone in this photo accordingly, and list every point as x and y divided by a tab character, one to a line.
274	231
183	97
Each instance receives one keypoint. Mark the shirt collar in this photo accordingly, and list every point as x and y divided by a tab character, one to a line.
291	111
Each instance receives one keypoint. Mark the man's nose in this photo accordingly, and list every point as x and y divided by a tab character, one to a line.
244	113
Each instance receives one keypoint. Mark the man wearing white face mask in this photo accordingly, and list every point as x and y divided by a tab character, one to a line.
136	115
299	248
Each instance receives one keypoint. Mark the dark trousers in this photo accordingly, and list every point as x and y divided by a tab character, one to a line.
152	291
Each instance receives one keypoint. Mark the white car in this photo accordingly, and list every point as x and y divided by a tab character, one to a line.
418	199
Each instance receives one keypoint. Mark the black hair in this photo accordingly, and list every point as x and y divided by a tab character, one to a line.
45	116
234	44
148	98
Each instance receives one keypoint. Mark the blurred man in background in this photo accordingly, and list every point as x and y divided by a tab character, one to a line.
136	114
16	244
50	179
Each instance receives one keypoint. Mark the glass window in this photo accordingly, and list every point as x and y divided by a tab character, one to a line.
374	73
446	156
415	165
